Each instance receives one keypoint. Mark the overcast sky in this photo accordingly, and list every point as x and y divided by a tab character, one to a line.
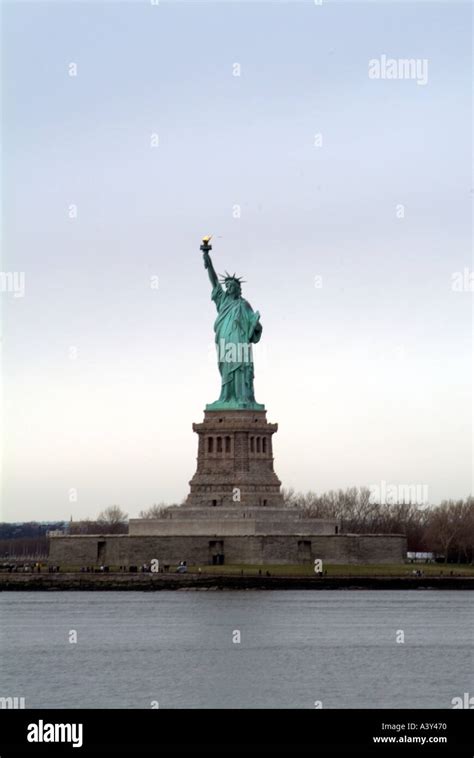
343	200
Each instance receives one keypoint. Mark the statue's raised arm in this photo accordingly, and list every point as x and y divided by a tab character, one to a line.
205	247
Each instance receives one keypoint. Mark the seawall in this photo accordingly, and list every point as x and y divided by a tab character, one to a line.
156	582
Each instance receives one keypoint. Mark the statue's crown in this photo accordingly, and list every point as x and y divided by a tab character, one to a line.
224	278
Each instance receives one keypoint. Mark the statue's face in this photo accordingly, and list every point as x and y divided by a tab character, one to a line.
233	288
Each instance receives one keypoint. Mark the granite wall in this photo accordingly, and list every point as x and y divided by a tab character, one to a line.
126	550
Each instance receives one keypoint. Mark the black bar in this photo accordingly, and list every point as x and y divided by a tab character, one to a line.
241	732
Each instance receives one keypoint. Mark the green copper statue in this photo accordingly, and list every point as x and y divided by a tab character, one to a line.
237	326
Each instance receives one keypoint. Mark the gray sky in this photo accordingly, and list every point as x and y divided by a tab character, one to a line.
368	375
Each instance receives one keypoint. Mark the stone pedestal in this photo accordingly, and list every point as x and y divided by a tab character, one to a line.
235	462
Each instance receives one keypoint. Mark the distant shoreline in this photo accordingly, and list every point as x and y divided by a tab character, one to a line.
201	582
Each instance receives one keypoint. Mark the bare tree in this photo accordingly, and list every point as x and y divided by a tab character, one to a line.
113	520
444	526
465	538
288	496
157	510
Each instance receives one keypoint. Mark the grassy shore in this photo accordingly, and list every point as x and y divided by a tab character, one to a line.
307	570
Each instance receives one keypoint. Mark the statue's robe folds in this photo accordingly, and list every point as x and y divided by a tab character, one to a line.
237	326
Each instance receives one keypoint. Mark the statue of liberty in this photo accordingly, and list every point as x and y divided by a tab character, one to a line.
237	327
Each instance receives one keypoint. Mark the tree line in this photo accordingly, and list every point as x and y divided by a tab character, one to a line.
27	539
